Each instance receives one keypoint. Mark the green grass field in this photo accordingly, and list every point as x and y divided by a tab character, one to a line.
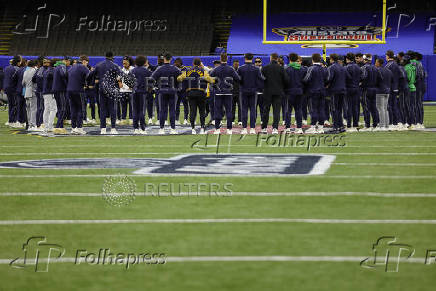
318	253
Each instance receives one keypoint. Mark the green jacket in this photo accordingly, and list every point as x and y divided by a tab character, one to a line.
411	76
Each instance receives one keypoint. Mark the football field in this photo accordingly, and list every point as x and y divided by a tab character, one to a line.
311	230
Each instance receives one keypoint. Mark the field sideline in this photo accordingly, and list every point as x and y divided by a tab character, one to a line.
273	233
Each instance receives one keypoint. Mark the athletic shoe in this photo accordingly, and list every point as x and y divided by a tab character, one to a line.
413	127
419	126
311	130
39	129
202	131
173	131
377	128
217	131
7	123
287	130
157	122
264	130
351	129
239	123
194	132
327	123
233	123
299	131
406	125
74	131
93	122
344	121
244	131
63	131
67	121
366	129
393	127
33	128
114	131
252	131
142	132
229	132
177	122
212	122
130	121
136	132
166	122
275	131
103	131
320	129
80	131
283	122
150	121
85	122
118	122
161	131
304	122
185	122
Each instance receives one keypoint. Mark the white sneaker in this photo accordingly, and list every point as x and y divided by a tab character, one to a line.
344	121
103	131
283	123
264	130
157	122
136	132
150	121
413	127
173	131
161	131
202	131
252	131
304	122
406	125
233	123
217	131
7	123
275	131
327	123
185	122
377	128
93	121
33	128
320	129
311	130
142	132
193	131
239	123
85	122
39	129
114	131
177	122
299	131
392	128
212	122
118	122
419	126
80	131
244	131
229	132
166	122
74	131
366	129
351	129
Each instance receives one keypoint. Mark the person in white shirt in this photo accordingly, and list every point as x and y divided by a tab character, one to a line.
126	92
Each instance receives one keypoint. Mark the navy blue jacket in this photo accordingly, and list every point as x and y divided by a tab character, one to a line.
336	78
296	77
101	69
47	83
384	81
60	79
166	78
10	79
20	74
403	84
38	79
370	75
2	76
396	74
315	78
77	78
141	74
354	76
225	76
251	77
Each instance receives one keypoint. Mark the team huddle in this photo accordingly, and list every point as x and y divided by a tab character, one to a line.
390	93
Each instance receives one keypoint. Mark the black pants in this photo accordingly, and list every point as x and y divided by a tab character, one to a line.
197	99
276	102
337	110
76	109
236	101
139	101
108	107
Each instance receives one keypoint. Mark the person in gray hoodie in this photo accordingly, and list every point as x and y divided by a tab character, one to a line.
30	95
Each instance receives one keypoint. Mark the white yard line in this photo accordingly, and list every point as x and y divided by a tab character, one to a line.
229	175
194	259
223	220
246	194
205	152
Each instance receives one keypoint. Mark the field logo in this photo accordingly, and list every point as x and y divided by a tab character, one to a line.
388	254
38	252
119	190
